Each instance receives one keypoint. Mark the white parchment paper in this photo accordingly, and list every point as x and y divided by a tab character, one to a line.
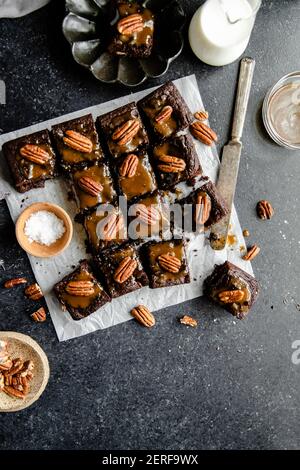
48	271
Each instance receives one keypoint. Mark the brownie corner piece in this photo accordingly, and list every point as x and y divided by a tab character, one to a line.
31	160
175	160
167	263
122	270
77	142
80	293
123	130
232	288
166	111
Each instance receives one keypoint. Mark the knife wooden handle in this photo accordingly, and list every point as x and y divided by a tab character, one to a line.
242	98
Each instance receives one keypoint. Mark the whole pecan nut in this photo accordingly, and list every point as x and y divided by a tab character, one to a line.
34	292
203	133
164	114
189	321
80	288
90	186
129	166
125	270
201	115
77	141
251	253
264	210
125	133
110	227
143	315
15	282
231	296
130	24
39	316
148	215
203	208
170	164
35	154
169	263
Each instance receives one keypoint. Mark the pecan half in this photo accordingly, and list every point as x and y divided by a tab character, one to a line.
5	366
12	392
251	253
264	210
14	282
39	316
203	133
34	292
189	321
80	288
125	133
164	114
125	270
203	208
78	142
110	227
90	186
129	166
35	154
231	296
143	315
171	164
27	367
169	263
17	365
201	115
130	24
148	215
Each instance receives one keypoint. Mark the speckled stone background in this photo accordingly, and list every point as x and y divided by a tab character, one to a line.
226	384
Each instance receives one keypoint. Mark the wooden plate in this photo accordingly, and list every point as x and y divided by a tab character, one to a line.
36	249
20	345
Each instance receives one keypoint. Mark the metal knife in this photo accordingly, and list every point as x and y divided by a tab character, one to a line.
229	167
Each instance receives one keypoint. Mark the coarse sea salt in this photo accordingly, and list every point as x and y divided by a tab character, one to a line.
44	227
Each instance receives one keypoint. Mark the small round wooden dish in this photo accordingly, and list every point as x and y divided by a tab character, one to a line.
36	249
20	345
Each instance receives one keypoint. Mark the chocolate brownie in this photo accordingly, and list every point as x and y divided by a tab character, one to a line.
135	175
31	160
167	263
123	270
123	130
105	227
80	293
93	185
77	142
232	288
204	206
132	29
166	111
175	160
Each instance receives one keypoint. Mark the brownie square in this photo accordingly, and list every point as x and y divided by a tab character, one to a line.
79	305
31	160
105	227
148	218
123	130
228	278
167	263
77	142
204	206
166	111
135	175
123	270
175	160
132	29
93	185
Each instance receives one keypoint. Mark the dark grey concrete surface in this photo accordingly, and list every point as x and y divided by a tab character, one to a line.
226	384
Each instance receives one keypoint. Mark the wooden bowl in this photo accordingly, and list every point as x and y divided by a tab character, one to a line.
36	249
20	345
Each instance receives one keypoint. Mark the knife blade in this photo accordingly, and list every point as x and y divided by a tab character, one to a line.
230	162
